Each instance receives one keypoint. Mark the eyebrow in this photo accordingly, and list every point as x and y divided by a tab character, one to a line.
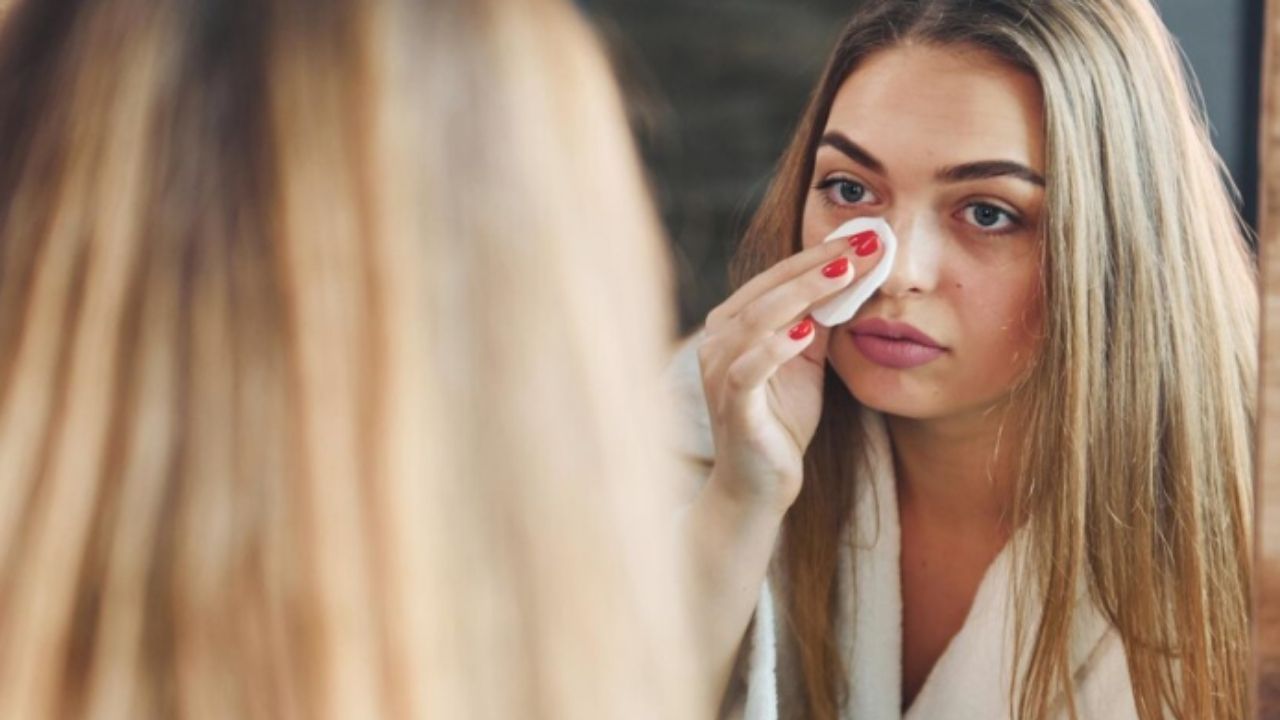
980	170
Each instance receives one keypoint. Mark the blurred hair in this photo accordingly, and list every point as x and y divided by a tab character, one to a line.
1140	406
326	337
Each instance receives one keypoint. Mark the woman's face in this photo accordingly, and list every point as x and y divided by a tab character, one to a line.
947	145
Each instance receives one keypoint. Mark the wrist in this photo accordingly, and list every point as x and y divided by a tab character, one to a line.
742	506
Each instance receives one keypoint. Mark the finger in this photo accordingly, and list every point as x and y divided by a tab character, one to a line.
783	305
788	302
754	367
780	273
816	351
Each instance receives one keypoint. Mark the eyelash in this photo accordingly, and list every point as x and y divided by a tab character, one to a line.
829	183
1015	222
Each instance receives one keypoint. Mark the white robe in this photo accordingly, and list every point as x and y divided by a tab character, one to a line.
969	681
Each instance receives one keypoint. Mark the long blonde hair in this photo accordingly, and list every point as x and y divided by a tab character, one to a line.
328	339
1138	465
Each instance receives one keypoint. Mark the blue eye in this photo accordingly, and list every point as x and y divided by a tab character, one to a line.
844	191
990	217
850	191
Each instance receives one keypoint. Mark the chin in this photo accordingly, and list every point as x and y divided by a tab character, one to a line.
892	392
898	405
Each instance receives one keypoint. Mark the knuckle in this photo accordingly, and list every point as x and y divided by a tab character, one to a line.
752	317
779	346
737	378
714	319
817	284
706	351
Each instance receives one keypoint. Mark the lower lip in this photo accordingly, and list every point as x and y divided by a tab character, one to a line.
897	354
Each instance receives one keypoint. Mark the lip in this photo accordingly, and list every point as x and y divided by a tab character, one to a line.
894	331
895	345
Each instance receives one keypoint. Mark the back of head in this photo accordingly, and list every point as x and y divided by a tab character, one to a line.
327	332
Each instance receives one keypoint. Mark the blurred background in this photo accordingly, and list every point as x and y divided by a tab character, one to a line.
716	86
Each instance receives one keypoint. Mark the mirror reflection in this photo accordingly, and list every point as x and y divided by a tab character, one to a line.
1031	442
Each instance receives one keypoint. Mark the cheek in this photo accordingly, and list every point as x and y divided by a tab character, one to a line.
1003	317
820	220
813	224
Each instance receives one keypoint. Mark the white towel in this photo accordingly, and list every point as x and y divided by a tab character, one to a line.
970	679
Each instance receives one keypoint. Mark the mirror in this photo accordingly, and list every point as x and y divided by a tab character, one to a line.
715	91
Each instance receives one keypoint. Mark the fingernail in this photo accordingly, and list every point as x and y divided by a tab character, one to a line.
865	243
802	330
836	268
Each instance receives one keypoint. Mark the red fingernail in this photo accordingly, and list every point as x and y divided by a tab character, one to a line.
865	243
802	330
836	268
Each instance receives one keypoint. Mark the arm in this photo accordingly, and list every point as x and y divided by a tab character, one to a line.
729	544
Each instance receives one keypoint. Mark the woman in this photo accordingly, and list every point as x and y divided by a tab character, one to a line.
319	331
1017	481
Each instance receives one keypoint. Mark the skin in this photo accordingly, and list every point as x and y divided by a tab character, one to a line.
968	275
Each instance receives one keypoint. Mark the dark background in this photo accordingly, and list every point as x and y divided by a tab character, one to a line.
715	88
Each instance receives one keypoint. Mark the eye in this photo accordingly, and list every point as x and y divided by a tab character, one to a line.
991	218
839	191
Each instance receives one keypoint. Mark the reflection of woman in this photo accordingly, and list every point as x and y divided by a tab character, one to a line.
319	331
1064	452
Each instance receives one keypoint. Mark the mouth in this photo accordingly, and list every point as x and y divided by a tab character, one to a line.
894	345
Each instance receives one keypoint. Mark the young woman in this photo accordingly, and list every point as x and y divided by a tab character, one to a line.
1017	482
320	324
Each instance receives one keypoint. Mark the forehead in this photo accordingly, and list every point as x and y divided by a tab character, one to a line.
955	104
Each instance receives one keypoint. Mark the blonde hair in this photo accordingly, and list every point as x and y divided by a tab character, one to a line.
326	338
1138	465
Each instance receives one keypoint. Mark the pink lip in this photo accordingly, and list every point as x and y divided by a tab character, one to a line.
894	344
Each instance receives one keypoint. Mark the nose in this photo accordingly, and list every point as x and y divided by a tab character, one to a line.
916	268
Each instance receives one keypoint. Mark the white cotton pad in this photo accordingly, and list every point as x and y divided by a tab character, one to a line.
842	307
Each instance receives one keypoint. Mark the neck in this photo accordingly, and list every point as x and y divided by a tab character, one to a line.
958	472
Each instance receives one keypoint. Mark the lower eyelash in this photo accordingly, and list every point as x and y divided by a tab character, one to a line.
822	186
1015	222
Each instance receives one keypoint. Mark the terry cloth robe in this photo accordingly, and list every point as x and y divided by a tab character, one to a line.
969	681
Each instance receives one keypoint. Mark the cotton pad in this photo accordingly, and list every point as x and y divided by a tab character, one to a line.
842	307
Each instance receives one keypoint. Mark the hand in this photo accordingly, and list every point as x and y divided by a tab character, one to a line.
763	360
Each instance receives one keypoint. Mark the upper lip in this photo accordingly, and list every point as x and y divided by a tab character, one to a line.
893	331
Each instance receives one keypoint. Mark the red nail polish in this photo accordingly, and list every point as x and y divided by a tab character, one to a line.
836	268
865	243
802	330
